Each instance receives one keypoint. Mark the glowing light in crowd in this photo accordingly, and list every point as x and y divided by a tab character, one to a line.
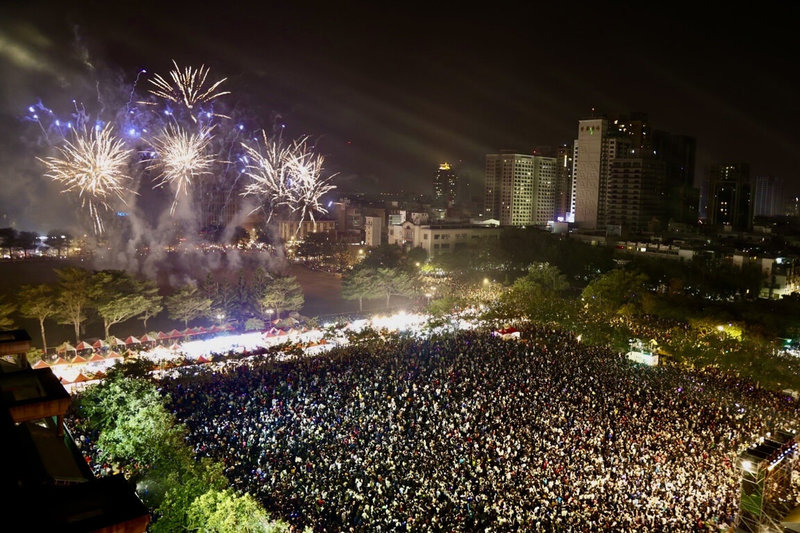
181	156
188	86
94	165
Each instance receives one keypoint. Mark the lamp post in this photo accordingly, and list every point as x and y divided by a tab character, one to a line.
269	315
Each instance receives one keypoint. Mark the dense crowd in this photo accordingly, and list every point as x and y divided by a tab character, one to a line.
467	432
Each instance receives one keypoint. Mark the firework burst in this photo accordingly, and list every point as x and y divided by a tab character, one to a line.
188	86
95	165
287	176
180	157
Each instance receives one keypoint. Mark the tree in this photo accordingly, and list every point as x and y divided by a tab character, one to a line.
8	240
617	291
73	296
58	240
28	241
359	284
394	282
39	302
283	294
537	294
187	303
5	311
224	511
152	302
117	296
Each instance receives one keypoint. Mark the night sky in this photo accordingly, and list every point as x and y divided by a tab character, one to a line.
389	92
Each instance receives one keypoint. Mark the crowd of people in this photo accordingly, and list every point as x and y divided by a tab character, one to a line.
467	432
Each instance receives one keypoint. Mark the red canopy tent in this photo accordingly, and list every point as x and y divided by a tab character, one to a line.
59	361
146	338
83	345
175	347
96	357
132	340
201	360
41	364
175	334
113	355
99	374
80	378
66	347
99	344
77	360
190	331
200	330
162	336
213	329
116	341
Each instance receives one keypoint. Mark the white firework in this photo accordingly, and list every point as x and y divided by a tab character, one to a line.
95	165
181	156
188	86
288	176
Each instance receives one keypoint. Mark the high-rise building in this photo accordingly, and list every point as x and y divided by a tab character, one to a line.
655	169
445	185
563	182
520	188
634	193
729	196
768	199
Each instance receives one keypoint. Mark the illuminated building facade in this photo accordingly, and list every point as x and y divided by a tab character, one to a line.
445	185
520	189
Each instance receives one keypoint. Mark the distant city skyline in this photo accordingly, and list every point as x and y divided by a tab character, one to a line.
390	94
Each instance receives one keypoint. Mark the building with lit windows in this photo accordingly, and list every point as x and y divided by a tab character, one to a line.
445	185
437	239
520	189
729	196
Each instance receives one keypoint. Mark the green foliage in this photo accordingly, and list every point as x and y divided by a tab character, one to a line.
254	324
6	322
138	431
224	511
187	303
34	355
282	294
395	282
73	298
618	291
37	302
360	283
118	296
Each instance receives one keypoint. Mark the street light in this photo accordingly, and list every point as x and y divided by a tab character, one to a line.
269	314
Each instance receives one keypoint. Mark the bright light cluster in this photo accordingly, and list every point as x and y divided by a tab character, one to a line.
181	155
94	164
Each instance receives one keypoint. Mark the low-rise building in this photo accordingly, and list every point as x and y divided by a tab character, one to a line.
439	239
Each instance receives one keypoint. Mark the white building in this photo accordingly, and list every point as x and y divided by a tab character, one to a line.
588	167
373	231
289	227
520	189
439	239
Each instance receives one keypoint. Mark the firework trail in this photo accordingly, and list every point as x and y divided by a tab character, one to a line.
181	156
308	184
188	87
286	176
93	164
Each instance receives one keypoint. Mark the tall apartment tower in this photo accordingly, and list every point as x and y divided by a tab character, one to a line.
730	201
520	189
596	147
768	198
625	174
445	185
563	204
